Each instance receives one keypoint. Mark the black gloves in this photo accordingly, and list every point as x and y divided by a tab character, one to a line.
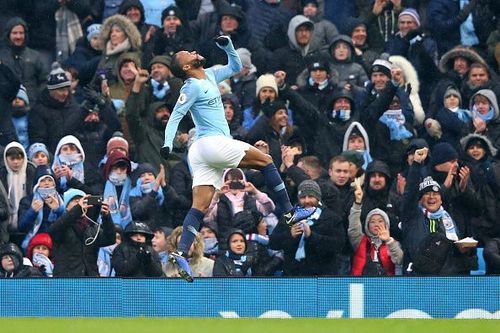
164	152
222	40
143	254
93	96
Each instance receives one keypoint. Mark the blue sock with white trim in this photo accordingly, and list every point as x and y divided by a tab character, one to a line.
275	184
190	228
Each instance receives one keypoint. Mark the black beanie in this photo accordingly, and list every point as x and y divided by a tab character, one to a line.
443	152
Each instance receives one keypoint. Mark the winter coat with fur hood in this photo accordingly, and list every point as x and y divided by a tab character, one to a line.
132	43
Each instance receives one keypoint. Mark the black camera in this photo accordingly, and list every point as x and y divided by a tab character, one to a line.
94	200
236	185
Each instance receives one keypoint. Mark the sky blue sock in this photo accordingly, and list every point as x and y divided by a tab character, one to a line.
275	183
190	226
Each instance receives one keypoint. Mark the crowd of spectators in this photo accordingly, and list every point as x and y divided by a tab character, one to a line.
381	114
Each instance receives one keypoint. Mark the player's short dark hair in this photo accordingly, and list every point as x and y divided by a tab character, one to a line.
176	68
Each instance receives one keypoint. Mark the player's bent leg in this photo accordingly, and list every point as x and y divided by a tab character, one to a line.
254	158
202	196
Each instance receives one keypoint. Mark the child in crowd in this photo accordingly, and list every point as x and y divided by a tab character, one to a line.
39	210
106	253
135	256
17	176
200	265
455	122
12	263
40	253
356	138
159	243
117	188
38	154
234	262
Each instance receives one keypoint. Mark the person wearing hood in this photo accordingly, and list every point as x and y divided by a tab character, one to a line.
17	177
237	200
356	138
404	73
234	262
71	170
19	109
485	115
310	246
377	194
351	75
200	265
135	257
9	88
116	174
231	22
480	156
55	110
12	265
77	236
39	252
243	84
39	210
24	61
430	230
292	58
87	54
324	30
454	66
118	36
134	11
480	76
455	122
363	53
376	253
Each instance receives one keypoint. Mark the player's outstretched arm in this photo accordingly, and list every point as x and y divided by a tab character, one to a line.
234	65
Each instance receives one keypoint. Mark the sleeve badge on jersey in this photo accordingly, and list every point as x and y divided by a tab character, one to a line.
182	99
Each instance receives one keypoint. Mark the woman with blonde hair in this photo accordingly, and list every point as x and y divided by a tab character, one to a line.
200	266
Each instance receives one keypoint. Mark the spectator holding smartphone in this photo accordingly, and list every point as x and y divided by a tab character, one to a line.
236	202
77	237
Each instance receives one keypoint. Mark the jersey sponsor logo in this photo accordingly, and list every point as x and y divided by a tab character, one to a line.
182	98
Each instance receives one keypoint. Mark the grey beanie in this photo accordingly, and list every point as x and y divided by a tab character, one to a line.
453	91
309	187
376	211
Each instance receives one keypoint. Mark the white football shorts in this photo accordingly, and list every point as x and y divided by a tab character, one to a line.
209	156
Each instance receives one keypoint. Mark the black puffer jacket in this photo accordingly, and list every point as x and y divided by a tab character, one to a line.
70	233
323	245
49	120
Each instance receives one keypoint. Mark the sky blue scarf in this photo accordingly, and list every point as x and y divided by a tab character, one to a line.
140	189
395	120
301	250
53	215
119	209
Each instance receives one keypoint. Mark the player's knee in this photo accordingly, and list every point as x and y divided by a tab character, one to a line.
266	160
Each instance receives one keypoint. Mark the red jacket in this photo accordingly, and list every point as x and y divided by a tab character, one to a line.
359	259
